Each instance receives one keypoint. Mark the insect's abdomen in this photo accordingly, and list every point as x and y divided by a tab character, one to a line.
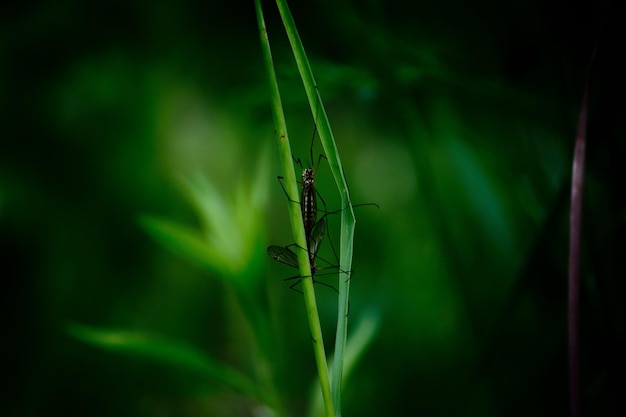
308	201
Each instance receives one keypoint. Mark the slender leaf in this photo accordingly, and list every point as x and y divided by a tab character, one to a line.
169	352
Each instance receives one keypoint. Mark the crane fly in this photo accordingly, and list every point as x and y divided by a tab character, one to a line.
314	229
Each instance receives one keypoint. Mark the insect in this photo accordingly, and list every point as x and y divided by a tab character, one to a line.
314	229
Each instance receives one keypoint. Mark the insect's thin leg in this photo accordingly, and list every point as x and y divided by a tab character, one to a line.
280	181
297	161
292	287
327	231
281	178
330	240
330	265
353	206
319	160
301	248
293	277
339	270
366	204
322	200
299	277
295	245
347	273
332	245
326	212
327	285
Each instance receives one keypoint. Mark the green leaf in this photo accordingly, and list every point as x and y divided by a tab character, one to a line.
168	352
364	333
182	240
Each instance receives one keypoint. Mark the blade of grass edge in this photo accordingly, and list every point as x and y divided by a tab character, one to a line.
348	219
295	215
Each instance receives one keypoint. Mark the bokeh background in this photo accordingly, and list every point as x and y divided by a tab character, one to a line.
126	123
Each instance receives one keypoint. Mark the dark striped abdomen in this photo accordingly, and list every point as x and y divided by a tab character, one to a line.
308	202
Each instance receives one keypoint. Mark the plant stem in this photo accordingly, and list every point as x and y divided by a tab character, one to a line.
296	216
348	220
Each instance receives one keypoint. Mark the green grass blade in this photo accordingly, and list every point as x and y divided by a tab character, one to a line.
361	337
348	220
171	352
296	216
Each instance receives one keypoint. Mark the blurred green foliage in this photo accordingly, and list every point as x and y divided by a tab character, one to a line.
131	126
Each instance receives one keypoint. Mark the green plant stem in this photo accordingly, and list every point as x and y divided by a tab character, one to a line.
348	220
296	217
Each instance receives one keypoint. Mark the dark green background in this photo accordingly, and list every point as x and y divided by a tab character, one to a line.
457	118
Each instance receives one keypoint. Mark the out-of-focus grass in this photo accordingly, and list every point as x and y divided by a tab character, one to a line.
458	119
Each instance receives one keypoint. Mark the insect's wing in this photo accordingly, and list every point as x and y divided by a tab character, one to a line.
283	255
317	233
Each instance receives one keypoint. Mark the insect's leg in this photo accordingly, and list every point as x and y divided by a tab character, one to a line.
292	287
280	181
330	266
297	161
301	248
327	231
323	229
353	206
349	273
332	247
298	279
295	245
319	195
327	285
319	159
